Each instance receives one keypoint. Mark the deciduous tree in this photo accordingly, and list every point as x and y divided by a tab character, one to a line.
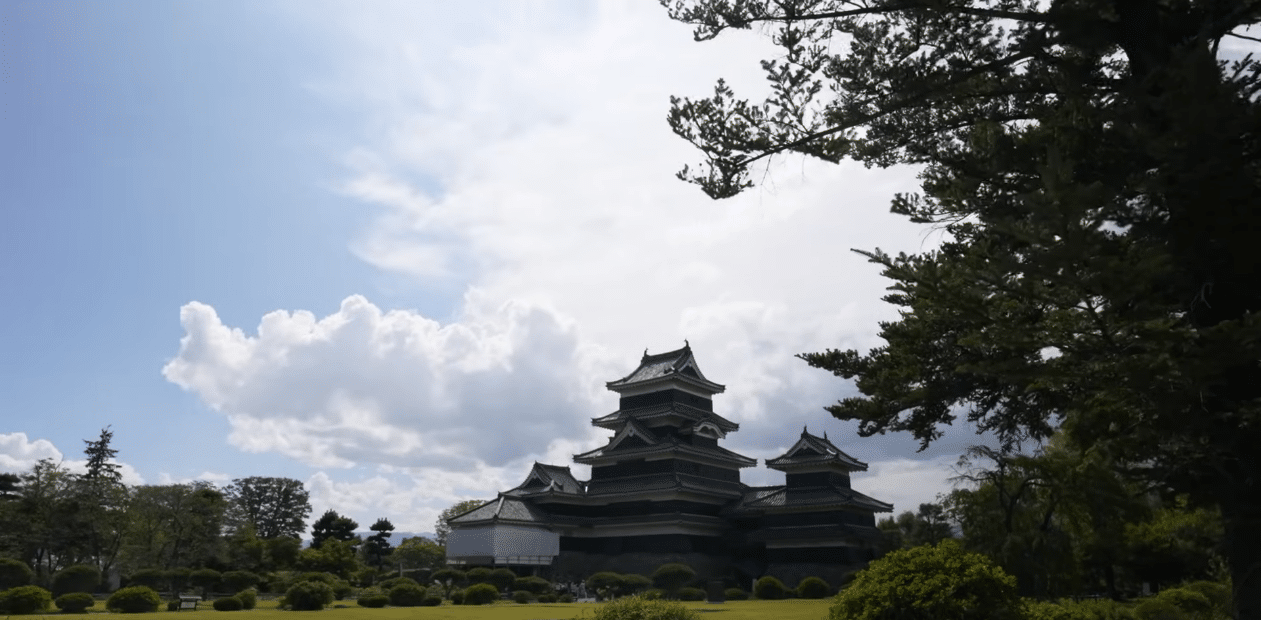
1094	167
441	528
273	507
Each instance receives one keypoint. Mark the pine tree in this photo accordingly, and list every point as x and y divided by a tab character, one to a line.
1095	167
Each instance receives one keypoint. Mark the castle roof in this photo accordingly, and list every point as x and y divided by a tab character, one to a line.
544	478
814	452
616	419
664	368
777	498
665	482
617	450
503	509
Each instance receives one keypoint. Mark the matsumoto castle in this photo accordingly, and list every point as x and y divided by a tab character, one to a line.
664	490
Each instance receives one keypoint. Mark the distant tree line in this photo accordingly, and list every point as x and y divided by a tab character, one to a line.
176	536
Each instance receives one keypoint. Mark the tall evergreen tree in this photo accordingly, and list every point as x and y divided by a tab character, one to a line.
378	544
333	526
271	507
1095	167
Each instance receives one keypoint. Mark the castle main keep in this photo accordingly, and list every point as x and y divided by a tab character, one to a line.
663	490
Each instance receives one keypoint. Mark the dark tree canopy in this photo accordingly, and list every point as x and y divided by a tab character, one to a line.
273	507
378	544
1095	167
100	456
332	525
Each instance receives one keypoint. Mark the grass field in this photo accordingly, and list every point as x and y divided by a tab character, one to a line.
734	610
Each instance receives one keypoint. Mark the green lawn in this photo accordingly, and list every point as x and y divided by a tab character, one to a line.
734	610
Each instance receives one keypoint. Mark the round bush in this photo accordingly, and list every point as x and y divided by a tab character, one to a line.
77	578
373	600
237	580
769	588
691	594
1065	610
249	598
522	596
639	608
1158	609
25	600
148	577
480	594
943	582
813	587
653	594
308	596
407	595
14	573
173	605
604	584
547	598
1218	595
502	578
134	600
390	583
457	597
533	585
478	575
671	577
565	598
228	603
205	578
634	584
431	600
1193	603
74	602
735	594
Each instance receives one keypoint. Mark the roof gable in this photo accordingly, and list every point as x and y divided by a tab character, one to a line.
679	365
812	450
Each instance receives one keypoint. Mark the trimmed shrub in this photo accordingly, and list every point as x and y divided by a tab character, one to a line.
178	578
653	594
407	595
1218	595
390	583
604	584
478	575
1159	609
813	587
565	598
735	594
457	597
691	594
431	600
502	578
1043	610
452	576
634	584
133	600
249	598
25	600
533	585
74	602
943	582
152	578
671	577
237	580
14	573
639	608
205	578
228	603
308	596
373	600
547	598
77	578
522	596
769	588
1190	602
481	594
173	605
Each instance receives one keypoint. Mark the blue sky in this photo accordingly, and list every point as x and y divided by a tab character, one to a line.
395	252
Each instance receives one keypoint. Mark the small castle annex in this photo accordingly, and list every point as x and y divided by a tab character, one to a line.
664	490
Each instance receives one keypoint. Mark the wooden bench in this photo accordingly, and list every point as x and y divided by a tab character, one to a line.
189	602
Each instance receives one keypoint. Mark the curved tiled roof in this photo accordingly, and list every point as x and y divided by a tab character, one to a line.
664	482
678	364
668	444
815	450
763	498
548	478
688	412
